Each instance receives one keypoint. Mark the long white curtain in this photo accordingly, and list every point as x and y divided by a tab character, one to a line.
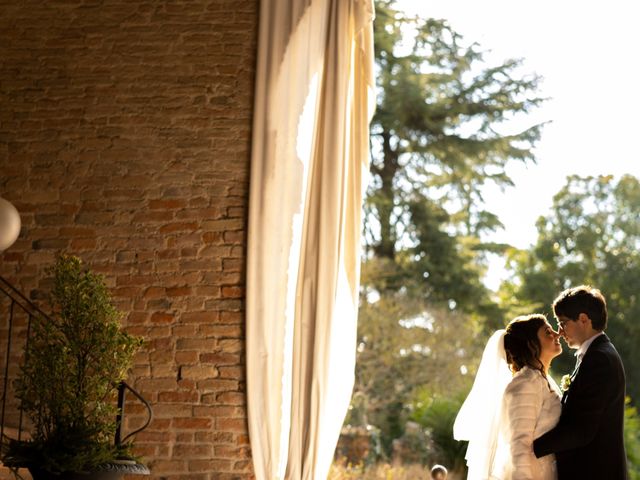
313	102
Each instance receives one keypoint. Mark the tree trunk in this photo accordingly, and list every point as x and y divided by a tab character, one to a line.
385	200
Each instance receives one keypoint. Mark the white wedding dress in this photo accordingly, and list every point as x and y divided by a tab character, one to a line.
531	407
501	417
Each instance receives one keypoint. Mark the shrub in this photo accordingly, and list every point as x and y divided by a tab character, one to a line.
73	364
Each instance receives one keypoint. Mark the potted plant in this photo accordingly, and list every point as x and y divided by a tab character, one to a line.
74	361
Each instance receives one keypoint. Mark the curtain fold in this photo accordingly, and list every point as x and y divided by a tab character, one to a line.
313	103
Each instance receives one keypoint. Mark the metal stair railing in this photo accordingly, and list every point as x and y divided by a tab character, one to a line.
18	303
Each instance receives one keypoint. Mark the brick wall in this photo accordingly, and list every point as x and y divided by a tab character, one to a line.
125	139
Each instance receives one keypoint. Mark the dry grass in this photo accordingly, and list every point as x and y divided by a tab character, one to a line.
340	471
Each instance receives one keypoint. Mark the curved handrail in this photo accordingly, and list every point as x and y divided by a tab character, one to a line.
121	392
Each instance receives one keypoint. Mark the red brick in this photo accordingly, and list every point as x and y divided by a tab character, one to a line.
213	237
173	411
12	257
232	292
226	451
232	317
232	372
222	330
178	397
192	451
231	398
178	291
198	372
192	423
217	385
178	227
154	292
218	411
210	466
186	358
231	424
222	358
172	204
198	317
185	437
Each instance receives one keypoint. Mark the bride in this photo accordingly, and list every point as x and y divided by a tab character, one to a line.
513	401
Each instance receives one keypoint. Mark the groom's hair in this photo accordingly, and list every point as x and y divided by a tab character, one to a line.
583	299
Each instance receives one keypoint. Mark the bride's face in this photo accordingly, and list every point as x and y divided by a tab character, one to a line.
549	342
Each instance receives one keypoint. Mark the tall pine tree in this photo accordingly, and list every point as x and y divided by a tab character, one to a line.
436	143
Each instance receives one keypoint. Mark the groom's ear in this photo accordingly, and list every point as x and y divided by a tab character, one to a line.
584	319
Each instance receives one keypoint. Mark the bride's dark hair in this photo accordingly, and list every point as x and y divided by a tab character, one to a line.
521	342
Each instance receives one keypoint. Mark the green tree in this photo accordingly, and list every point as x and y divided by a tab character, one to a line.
591	236
437	139
406	346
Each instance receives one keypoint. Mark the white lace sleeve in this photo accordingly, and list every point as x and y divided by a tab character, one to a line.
523	398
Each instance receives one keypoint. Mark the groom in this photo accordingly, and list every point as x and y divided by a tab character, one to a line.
588	440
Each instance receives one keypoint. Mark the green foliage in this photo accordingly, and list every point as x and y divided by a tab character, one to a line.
632	439
404	345
73	364
437	414
591	236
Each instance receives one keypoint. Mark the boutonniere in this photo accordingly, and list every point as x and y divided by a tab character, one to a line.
565	383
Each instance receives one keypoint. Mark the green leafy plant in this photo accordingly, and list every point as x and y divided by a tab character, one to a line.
632	439
437	415
73	364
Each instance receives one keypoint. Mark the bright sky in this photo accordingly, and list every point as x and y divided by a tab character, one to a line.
587	54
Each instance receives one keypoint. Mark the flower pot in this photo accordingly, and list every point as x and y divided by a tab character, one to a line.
39	474
109	471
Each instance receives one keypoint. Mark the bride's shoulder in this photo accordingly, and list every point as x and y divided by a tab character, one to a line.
526	379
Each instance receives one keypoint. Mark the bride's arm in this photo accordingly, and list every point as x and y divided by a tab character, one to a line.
523	402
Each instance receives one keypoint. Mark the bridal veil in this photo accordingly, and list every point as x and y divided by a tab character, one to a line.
480	417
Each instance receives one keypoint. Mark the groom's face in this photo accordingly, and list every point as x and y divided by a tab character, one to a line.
571	331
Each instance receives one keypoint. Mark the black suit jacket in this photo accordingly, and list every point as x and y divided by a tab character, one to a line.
588	440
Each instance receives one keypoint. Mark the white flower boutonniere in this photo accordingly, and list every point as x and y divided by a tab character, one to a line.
565	383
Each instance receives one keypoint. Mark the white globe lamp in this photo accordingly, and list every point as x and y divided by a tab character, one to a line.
9	224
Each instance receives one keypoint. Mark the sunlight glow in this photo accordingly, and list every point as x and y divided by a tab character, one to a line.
424	320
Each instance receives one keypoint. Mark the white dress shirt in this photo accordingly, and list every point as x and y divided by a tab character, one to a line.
584	347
